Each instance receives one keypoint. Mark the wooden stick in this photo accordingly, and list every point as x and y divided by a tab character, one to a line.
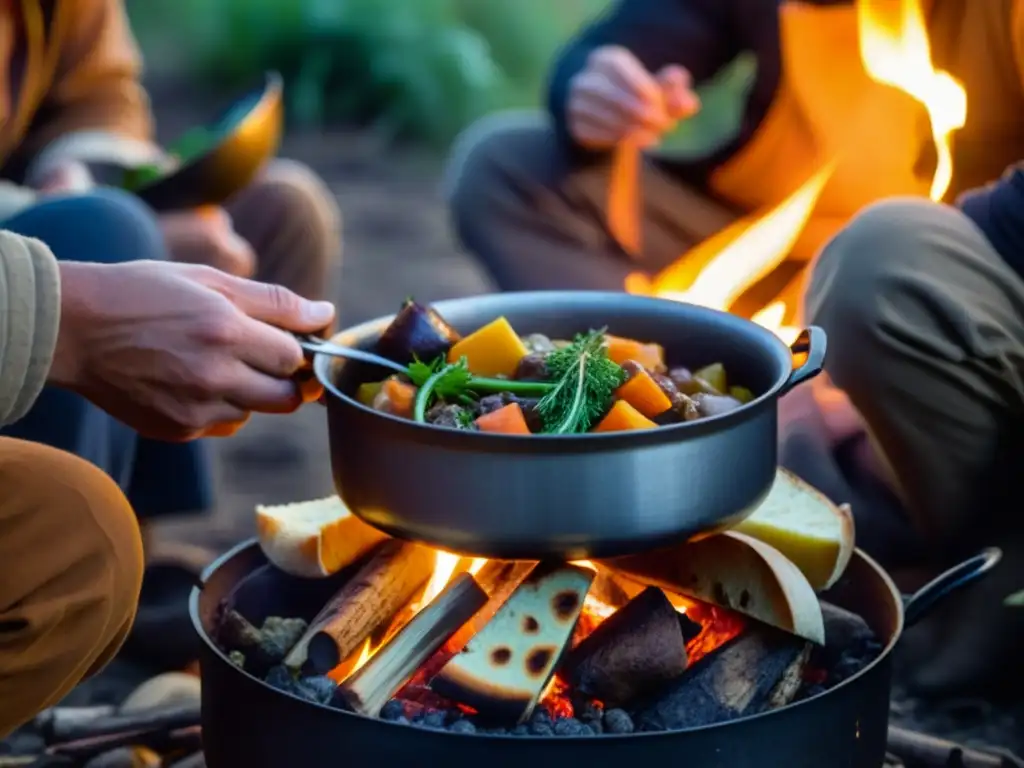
632	653
371	598
370	688
758	671
505	668
164	718
53	723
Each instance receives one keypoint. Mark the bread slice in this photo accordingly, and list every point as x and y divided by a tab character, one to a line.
806	527
734	571
313	538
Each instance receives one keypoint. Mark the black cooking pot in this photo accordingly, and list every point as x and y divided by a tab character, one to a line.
569	496
248	723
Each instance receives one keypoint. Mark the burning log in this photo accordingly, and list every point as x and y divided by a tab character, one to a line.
370	599
758	671
505	668
370	688
632	653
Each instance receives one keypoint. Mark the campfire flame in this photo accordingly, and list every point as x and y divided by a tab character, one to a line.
718	627
895	51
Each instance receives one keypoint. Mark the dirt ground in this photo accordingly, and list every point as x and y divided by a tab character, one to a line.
396	244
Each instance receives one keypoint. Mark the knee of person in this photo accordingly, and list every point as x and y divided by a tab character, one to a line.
859	272
134	232
83	509
476	173
294	193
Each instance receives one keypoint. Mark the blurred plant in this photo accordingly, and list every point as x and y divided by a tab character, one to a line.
418	68
1016	600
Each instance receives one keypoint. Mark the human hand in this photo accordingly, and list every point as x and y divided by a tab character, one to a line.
180	351
614	98
206	236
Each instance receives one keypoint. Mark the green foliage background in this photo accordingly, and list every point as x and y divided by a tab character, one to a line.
421	69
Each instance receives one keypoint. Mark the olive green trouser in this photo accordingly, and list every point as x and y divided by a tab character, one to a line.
926	335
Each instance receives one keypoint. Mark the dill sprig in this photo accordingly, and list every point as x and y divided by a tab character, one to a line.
584	381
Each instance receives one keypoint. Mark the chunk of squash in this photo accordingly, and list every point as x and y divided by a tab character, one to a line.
624	417
643	393
508	420
650	356
494	350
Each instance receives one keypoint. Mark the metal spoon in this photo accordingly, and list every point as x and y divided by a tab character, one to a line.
322	347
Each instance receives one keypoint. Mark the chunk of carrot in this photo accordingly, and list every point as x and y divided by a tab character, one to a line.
650	356
507	420
623	417
400	397
643	393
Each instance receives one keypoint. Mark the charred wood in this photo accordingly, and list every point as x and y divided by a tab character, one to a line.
370	688
381	588
760	670
503	670
633	653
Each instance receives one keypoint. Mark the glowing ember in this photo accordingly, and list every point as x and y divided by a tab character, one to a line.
895	51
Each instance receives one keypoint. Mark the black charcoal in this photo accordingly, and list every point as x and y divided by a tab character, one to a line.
618	721
462	726
541	728
570	726
318	689
237	658
392	710
278	636
263	647
521	730
434	719
280	677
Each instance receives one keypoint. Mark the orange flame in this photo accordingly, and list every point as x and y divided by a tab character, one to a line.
895	51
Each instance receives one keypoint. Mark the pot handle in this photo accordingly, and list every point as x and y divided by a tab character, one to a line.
917	606
808	357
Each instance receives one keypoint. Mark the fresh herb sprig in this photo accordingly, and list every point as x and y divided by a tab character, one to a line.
454	382
584	379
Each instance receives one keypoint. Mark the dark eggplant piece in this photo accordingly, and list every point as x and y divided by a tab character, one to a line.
417	332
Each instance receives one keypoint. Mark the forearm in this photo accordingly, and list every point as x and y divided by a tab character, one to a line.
998	210
696	34
29	320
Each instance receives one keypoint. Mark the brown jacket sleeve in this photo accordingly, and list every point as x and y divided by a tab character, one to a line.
96	109
29	318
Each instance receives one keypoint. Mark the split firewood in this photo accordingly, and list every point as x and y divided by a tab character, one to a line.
382	587
632	653
370	688
734	571
168	718
54	723
503	670
159	740
921	749
758	671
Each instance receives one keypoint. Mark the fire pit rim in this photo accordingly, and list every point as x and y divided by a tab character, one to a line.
251	546
811	341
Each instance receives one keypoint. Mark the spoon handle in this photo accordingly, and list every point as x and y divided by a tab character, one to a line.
323	347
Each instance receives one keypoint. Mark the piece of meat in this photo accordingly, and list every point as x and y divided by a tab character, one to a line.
533	367
529	405
451	415
715	405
